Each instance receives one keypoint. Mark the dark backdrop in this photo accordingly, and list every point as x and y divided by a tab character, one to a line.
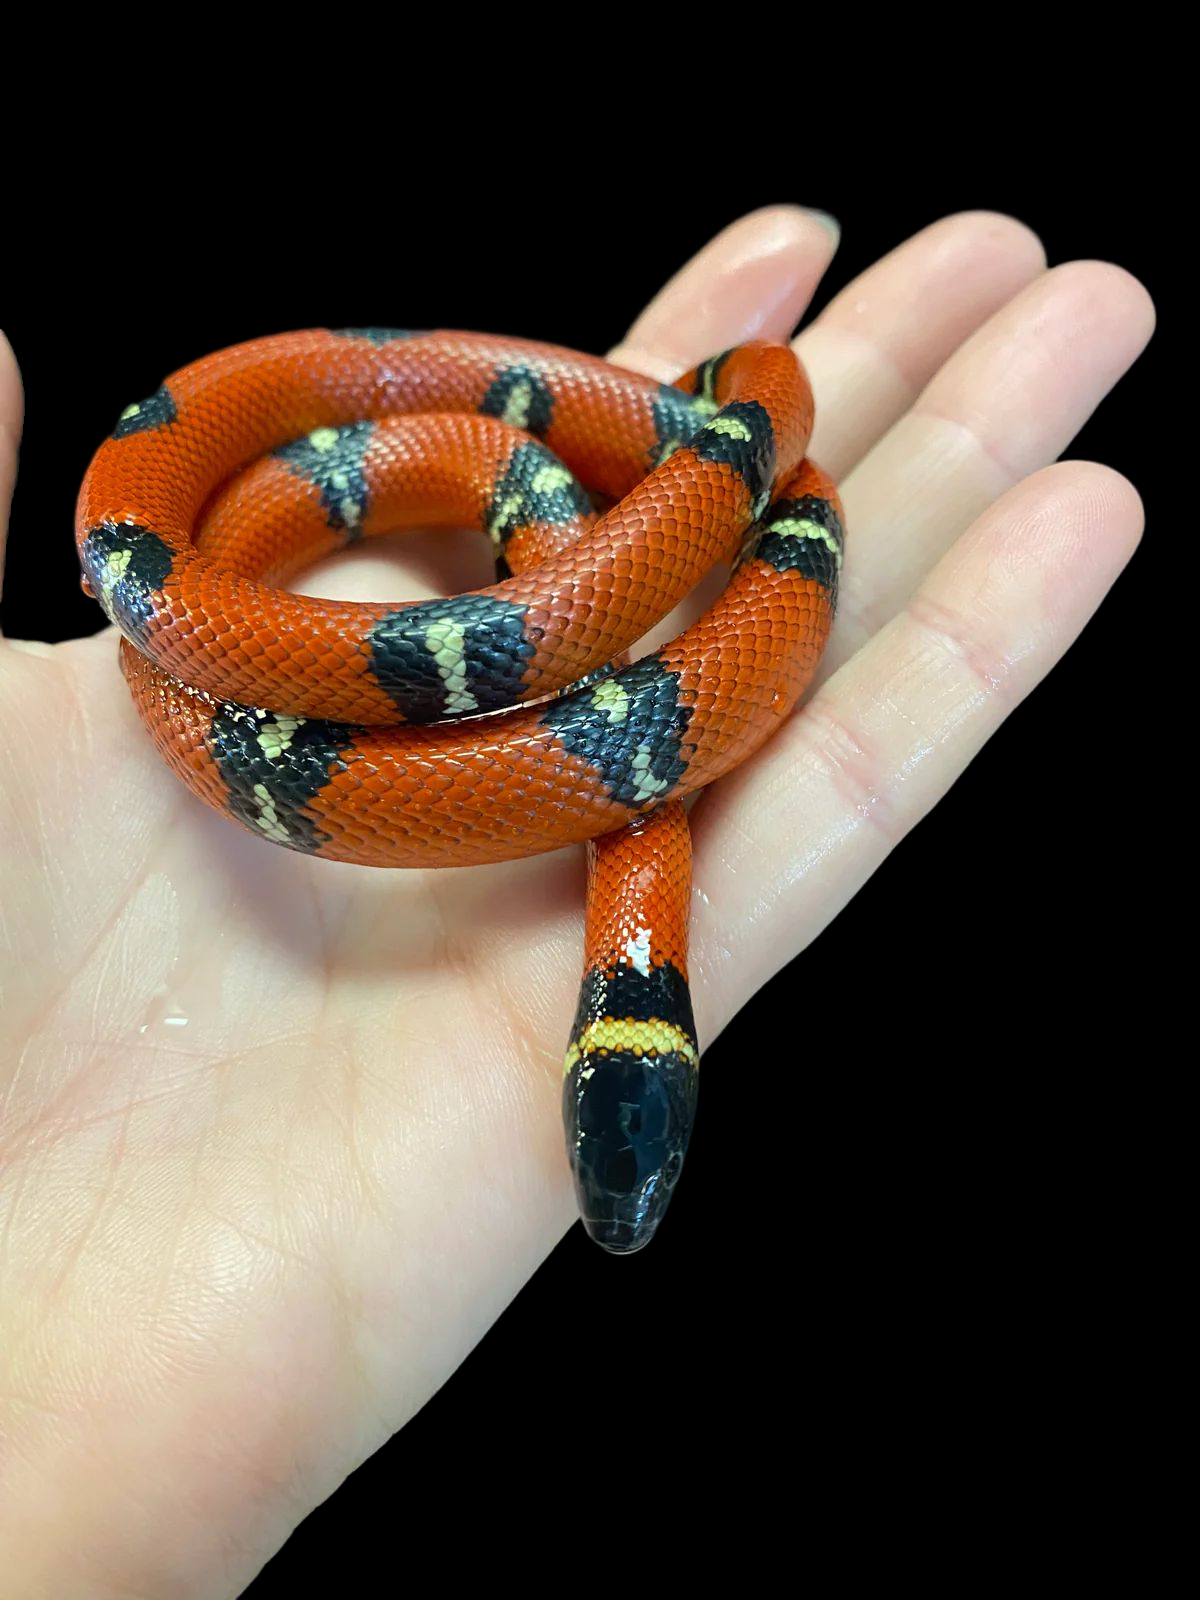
940	1168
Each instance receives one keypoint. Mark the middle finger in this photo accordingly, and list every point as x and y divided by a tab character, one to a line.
1008	402
876	345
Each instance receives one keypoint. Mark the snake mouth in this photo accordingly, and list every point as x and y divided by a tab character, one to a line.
618	1237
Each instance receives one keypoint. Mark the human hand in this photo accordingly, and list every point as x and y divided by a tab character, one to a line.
247	1092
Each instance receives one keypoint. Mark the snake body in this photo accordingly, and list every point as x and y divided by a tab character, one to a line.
503	722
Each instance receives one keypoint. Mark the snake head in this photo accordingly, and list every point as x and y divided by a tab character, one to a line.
629	1117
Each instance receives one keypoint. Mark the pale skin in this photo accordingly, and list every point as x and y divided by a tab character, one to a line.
355	1132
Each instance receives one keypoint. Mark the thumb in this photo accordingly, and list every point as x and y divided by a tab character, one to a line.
11	408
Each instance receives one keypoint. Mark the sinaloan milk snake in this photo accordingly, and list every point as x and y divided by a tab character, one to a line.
503	722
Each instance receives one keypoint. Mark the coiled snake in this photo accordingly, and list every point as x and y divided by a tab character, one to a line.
503	722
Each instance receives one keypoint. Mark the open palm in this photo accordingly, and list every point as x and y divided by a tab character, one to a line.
247	1092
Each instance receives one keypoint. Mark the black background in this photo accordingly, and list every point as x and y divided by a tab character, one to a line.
907	1188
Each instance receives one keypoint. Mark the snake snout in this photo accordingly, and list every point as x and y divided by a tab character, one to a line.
632	1115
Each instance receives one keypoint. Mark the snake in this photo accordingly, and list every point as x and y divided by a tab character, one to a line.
501	723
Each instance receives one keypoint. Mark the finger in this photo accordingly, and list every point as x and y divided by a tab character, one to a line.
1007	403
874	347
753	281
10	433
784	842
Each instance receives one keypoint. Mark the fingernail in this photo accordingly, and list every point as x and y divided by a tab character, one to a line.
830	223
